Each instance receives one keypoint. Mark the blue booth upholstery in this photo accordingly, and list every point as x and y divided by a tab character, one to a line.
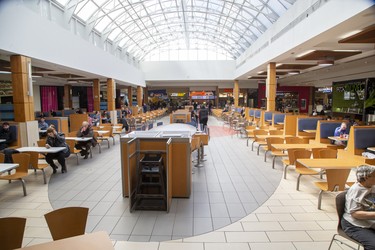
307	124
68	112
251	112
277	118
58	113
54	123
328	129
364	138
257	114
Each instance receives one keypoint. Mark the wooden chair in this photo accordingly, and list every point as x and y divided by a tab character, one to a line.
300	169
290	161
73	150
327	153
257	140
250	133
34	163
2	158
340	208
98	141
276	132
294	140
67	222
22	171
336	181
11	232
275	153
41	143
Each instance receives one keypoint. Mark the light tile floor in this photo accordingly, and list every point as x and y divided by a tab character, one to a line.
285	218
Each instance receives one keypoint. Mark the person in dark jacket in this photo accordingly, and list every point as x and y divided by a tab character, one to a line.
7	135
85	131
55	140
203	117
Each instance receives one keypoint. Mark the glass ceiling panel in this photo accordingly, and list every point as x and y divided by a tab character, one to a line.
142	27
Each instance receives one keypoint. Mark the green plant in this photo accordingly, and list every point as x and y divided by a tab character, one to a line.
370	102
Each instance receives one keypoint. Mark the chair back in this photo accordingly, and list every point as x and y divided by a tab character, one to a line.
328	153
301	154
336	181
294	140
71	144
273	140
41	143
23	160
11	232
72	134
292	160
276	132
259	132
67	222
315	152
2	157
34	158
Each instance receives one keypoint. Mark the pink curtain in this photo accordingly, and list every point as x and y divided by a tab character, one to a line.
90	99
48	96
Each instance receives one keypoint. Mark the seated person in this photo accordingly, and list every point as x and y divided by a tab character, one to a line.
340	130
243	111
359	217
42	125
55	140
7	135
85	131
53	113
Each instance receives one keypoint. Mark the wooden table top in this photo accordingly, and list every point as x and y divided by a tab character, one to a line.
299	146
310	131
273	136
343	163
338	138
92	241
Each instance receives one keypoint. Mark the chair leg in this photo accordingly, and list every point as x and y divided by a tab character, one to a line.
320	199
286	166
252	146
265	156
333	238
273	162
113	138
44	176
24	187
77	159
258	149
298	180
100	148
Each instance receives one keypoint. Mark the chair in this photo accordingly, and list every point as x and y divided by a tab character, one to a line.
2	157
67	222
98	141
340	208
275	153
11	232
327	153
336	181
41	143
290	160
73	150
72	134
34	158
259	141
300	169
250	133
276	132
294	140
23	160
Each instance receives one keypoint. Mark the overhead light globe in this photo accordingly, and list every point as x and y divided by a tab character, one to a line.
324	63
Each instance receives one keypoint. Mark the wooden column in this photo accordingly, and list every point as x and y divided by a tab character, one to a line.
130	96
111	95
96	92
22	100
145	95
271	86
67	96
139	96
236	93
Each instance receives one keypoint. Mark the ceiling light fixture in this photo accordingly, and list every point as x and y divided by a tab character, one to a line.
294	72
324	63
4	72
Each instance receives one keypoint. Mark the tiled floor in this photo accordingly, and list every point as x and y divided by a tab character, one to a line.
233	183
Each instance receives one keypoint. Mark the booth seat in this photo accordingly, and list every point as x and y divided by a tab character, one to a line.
326	129
308	123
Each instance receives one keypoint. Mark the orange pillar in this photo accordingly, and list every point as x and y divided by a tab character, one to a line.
145	95
236	93
67	96
271	86
96	92
139	96
217	97
130	96
111	95
23	100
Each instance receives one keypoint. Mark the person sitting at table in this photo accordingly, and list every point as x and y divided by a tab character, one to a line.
340	130
85	131
55	140
359	217
42	125
6	134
